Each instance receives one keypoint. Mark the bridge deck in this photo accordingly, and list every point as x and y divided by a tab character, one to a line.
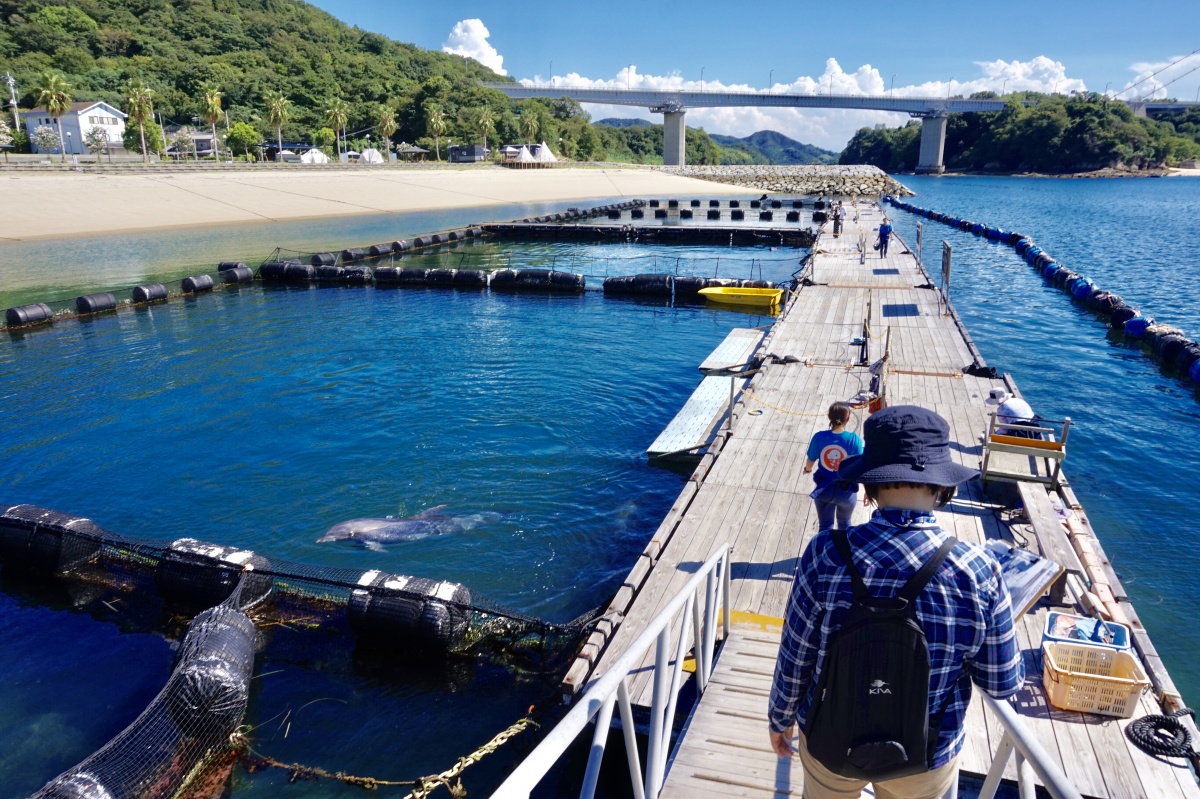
753	494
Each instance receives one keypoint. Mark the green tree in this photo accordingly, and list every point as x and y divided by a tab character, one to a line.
54	94
149	133
486	120
139	106
529	125
242	137
324	137
385	123
279	111
437	126
337	113
212	112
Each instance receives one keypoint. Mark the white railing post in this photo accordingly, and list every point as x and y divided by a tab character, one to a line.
658	712
999	760
1033	756
597	702
631	750
599	742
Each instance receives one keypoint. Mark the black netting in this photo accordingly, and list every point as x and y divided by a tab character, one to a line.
239	602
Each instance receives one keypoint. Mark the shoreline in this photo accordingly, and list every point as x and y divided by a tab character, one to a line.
69	205
1164	172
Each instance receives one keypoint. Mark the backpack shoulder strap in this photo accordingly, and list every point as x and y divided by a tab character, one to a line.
842	544
912	589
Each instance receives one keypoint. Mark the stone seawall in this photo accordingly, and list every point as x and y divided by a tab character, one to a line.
830	181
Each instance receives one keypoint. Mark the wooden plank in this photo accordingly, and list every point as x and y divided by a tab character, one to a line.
693	426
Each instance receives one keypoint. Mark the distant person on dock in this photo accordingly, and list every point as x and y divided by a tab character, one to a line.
839	218
1014	416
885	235
826	452
963	612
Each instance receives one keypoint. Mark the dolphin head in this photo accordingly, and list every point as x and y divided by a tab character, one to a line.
352	530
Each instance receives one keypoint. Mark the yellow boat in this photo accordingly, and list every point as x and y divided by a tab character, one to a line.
733	295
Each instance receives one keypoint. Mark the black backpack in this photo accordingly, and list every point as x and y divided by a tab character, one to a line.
869	717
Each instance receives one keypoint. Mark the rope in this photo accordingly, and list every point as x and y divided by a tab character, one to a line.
1164	736
421	787
747	393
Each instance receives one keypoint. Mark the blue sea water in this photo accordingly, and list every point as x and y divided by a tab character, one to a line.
260	417
1134	453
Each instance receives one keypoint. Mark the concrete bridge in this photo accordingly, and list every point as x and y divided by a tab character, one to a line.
673	105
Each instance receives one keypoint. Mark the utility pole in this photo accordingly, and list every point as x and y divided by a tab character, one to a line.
12	100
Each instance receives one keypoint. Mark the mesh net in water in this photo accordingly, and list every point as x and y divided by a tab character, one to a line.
235	598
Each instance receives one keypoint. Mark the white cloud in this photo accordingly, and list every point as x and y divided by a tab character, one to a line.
825	127
470	38
1170	79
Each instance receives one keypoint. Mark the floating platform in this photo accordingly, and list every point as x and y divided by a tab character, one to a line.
682	233
694	427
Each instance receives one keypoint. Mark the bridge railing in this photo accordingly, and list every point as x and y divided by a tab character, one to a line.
695	608
1032	759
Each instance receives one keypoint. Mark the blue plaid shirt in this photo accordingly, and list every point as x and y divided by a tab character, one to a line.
964	611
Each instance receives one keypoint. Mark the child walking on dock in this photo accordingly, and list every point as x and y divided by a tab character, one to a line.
826	451
903	561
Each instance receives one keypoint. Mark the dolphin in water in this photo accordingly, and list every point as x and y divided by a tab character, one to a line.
374	533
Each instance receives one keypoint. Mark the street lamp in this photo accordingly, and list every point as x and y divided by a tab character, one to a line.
551	73
702	80
771	82
1003	87
629	77
70	145
949	86
1055	87
1106	88
892	85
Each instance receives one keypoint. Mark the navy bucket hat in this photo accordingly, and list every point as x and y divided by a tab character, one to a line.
905	444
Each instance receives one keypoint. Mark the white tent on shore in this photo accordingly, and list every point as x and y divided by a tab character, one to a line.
370	156
544	155
314	156
524	156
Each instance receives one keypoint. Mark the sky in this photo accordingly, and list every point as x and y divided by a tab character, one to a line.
928	48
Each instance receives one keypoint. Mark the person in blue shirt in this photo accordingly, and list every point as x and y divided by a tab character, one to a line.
964	610
885	234
826	452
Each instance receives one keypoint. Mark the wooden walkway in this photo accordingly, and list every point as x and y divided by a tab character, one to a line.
752	493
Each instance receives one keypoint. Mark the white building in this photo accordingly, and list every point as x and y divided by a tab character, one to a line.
81	118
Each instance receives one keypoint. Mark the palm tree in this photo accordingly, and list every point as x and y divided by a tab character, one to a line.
385	123
279	112
337	115
52	93
487	123
140	107
213	113
529	125
437	126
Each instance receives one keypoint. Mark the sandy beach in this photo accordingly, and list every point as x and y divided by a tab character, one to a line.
36	205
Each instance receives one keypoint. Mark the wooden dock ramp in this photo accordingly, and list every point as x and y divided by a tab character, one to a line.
750	491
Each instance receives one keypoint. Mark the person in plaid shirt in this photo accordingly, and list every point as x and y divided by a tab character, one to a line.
964	611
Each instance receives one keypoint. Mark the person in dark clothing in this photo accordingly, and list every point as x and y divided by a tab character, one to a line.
885	235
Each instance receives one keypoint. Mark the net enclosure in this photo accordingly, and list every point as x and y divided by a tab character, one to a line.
228	601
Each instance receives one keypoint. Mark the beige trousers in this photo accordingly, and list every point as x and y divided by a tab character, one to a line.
821	783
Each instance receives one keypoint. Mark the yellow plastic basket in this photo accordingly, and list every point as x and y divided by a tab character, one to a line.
1093	679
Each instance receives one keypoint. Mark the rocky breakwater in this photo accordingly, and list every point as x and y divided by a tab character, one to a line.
830	181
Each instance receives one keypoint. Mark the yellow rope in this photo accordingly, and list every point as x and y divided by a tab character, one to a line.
422	786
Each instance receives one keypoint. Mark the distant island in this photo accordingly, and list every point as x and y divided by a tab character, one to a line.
643	141
1085	132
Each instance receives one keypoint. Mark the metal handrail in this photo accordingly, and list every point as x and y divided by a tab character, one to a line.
1030	755
612	688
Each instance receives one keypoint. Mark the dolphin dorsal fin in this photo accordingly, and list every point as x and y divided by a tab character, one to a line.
436	510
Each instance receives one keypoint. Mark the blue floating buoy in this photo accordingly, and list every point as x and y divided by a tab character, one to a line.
1032	253
1136	327
1050	269
1021	245
978	228
1081	288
